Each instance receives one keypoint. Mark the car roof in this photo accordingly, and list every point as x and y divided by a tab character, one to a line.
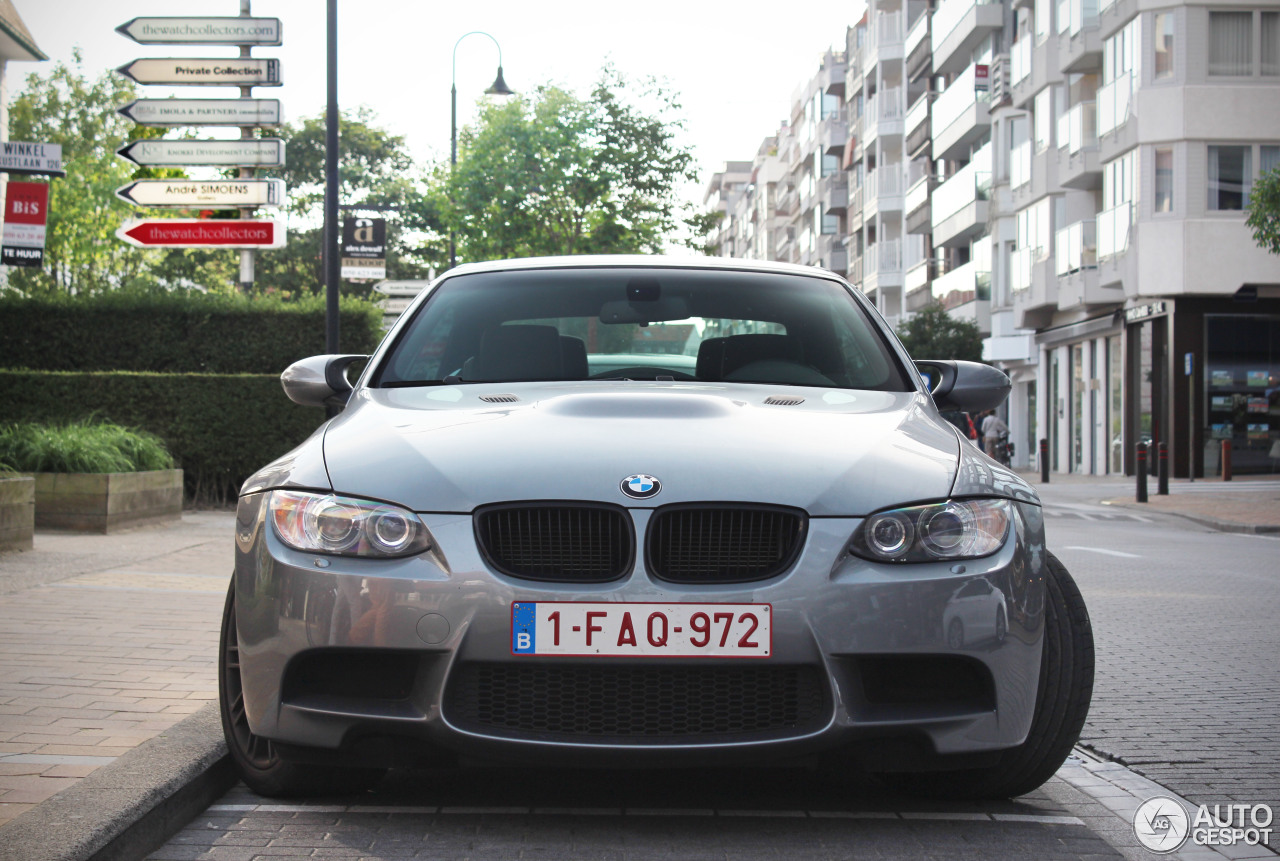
661	261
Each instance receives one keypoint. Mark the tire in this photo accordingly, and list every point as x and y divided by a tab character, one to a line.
955	634
1062	703
256	758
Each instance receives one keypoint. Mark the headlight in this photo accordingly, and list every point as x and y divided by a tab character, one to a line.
325	523
956	529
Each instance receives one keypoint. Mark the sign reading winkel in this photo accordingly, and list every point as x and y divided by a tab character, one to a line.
202	31
243	72
43	159
203	112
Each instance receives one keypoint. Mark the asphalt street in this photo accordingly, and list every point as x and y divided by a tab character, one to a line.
1187	694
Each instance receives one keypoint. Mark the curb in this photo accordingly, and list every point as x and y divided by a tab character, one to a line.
1211	522
130	807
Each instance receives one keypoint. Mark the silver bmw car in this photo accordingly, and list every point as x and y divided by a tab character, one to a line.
631	511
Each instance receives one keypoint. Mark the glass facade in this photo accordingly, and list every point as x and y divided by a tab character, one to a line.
1242	385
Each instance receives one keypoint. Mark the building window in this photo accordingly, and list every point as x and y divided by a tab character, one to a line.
1164	45
1271	44
1043	117
1164	180
1270	159
1230	44
1230	174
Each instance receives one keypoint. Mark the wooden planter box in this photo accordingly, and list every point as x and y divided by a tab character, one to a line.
17	512
105	502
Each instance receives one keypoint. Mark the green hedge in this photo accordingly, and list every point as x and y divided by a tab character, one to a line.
175	332
220	428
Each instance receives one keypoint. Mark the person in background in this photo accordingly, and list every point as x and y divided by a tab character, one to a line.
992	429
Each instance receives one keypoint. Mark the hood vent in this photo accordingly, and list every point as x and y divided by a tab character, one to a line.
499	399
783	401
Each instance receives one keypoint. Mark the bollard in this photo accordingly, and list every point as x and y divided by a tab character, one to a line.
1141	495
1226	460
1162	486
1044	461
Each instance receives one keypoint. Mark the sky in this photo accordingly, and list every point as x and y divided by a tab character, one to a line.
734	66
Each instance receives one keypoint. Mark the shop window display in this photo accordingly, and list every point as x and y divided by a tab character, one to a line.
1243	390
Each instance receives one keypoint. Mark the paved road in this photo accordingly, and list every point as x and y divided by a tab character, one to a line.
1187	623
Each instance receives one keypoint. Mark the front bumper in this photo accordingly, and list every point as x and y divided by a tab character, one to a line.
351	655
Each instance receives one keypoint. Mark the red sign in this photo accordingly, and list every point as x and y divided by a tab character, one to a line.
981	77
203	233
26	210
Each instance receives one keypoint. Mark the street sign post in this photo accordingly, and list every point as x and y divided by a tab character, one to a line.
364	248
201	72
259	152
26	212
203	233
215	193
203	112
38	159
202	31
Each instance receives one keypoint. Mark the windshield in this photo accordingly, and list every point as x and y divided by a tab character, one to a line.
642	324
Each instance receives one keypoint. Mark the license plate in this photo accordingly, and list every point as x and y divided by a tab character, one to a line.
641	630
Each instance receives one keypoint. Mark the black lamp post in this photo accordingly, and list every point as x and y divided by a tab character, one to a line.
498	88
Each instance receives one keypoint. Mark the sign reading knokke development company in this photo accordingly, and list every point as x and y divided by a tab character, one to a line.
253	152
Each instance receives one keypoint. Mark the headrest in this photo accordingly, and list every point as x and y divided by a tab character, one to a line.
513	353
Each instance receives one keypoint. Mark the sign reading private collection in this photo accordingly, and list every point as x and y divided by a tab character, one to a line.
202	31
364	248
203	233
26	211
215	193
203	112
260	152
244	72
43	159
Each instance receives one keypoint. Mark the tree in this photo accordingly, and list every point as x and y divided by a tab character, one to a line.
932	333
551	173
82	254
1264	211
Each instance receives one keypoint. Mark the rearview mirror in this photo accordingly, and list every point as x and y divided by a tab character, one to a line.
320	380
968	386
654	311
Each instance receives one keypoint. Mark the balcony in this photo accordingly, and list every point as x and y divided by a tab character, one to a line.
918	49
1079	42
885	40
963	284
959	117
1113	104
854	210
957	28
1075	248
960	205
1078	165
1113	231
832	254
916	125
1034	295
787	200
883	190
1020	165
1037	66
833	192
883	258
833	130
854	272
883	114
1020	60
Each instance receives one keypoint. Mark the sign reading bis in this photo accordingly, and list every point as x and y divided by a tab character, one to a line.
364	248
26	212
215	193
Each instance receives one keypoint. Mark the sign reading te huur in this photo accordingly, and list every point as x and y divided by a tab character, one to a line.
44	159
26	211
258	152
243	72
202	31
203	112
364	248
214	193
203	233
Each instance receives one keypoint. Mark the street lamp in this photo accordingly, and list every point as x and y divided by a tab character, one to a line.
498	88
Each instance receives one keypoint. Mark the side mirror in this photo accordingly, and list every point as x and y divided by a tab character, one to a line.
969	386
319	381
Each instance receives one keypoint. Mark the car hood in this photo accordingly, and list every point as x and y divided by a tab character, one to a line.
837	453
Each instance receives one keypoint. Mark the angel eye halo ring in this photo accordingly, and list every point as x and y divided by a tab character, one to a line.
943	531
344	526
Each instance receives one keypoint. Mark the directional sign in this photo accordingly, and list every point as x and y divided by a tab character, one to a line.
203	233
217	193
202	31
201	72
203	112
31	158
259	152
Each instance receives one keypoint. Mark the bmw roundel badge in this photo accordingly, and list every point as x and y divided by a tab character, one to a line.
641	486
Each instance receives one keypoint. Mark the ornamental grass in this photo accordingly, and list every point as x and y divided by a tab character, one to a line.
82	446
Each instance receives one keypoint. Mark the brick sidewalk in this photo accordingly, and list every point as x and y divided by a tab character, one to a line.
105	641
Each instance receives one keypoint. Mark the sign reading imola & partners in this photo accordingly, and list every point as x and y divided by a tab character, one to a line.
212	193
203	233
203	112
243	72
202	31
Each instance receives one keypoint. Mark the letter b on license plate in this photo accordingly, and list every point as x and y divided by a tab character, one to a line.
641	630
